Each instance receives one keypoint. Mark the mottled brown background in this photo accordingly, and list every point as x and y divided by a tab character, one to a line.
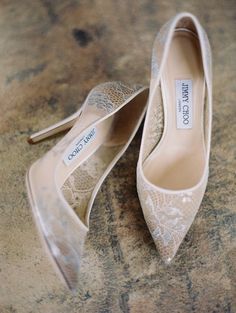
51	54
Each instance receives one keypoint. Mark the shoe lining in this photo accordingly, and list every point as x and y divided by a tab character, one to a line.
178	160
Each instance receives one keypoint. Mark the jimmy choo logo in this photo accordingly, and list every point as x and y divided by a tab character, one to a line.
78	145
183	103
185	99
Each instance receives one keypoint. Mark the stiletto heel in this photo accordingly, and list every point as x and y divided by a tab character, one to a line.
172	170
63	184
54	129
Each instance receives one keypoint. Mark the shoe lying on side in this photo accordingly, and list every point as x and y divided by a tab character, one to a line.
62	184
172	170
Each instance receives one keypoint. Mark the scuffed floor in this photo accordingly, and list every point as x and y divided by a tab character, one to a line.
51	54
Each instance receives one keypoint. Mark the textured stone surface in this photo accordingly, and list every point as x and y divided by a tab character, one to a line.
51	54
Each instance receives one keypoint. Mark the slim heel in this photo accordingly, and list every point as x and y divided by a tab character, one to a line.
54	129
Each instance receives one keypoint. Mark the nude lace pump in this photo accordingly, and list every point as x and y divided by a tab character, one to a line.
62	184
173	164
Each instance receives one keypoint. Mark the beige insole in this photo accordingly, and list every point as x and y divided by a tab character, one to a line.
80	177
178	160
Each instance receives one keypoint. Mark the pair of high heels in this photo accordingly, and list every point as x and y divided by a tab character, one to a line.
172	169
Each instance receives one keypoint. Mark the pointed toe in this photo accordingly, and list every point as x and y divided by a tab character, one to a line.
166	252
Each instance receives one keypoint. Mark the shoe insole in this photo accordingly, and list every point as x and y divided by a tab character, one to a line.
178	160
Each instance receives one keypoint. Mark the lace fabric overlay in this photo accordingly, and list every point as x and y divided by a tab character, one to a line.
158	49
168	214
153	132
79	186
109	96
104	99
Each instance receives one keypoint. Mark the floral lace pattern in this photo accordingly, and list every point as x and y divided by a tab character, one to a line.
109	96
153	133
105	98
79	186
168	215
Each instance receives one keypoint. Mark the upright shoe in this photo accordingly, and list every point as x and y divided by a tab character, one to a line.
62	184
172	170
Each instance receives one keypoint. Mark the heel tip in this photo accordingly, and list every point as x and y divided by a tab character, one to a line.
30	141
